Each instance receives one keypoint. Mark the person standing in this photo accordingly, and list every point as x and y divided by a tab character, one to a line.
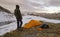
18	16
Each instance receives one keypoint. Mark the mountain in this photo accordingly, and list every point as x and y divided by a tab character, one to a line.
47	15
4	10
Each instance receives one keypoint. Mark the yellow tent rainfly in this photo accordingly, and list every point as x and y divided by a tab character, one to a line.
32	23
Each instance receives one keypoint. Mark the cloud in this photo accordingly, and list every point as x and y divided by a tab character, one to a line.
54	2
29	5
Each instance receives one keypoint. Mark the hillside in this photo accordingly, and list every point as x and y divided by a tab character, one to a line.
5	18
4	10
47	15
12	26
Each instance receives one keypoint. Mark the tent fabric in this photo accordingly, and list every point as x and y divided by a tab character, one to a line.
32	23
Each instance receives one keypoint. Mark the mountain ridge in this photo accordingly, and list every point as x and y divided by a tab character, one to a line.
4	10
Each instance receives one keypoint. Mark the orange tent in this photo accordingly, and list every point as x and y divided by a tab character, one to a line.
32	23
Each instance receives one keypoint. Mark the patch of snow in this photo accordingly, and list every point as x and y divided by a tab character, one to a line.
29	17
7	28
6	17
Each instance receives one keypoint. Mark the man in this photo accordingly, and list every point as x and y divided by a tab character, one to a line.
18	16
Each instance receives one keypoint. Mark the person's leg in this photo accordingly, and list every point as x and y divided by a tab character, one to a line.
21	23
17	24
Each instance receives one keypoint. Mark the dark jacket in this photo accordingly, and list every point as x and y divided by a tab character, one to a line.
17	14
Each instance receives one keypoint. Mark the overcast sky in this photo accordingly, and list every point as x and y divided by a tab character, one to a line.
31	5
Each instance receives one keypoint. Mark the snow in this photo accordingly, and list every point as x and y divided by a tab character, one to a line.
12	26
7	28
29	17
6	17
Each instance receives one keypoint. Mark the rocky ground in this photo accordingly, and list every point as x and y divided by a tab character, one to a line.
52	31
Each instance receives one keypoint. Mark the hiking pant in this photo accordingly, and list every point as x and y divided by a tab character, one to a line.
19	24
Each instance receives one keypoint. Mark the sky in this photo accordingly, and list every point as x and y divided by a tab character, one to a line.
49	6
